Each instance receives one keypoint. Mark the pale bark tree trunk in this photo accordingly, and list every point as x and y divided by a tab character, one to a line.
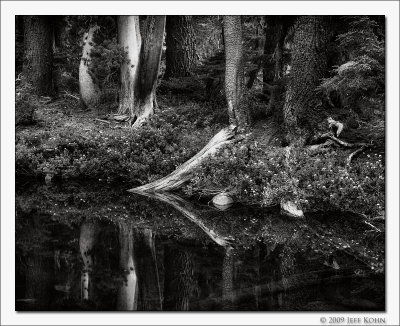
38	56
130	39
181	46
88	87
234	72
128	291
307	68
138	92
87	240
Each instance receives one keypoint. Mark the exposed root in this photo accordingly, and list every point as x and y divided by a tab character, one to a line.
350	157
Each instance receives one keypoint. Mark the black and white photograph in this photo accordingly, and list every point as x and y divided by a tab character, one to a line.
201	163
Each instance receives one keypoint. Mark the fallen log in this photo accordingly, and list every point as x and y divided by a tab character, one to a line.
185	171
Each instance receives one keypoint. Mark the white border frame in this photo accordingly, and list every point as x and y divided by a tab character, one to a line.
8	9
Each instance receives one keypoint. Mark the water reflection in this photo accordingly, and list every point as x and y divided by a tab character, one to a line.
80	248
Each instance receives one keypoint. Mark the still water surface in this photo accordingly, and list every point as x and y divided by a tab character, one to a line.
98	247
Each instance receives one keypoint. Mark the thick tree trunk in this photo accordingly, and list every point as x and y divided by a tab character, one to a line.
88	87
38	58
234	72
307	68
179	279
137	97
181	46
130	39
128	291
87	240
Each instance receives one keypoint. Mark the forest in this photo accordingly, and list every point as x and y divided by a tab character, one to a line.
278	114
269	110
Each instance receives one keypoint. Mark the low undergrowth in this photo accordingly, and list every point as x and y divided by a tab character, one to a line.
82	148
315	182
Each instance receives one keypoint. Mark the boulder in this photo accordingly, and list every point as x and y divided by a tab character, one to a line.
222	201
290	209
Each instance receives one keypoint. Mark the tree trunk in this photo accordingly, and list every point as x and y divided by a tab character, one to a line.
234	72
128	291
38	58
179	279
87	240
307	68
181	46
137	98
130	39
88	87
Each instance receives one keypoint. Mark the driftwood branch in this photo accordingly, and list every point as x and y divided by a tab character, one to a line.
185	171
103	121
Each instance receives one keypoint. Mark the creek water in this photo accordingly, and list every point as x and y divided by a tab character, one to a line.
98	247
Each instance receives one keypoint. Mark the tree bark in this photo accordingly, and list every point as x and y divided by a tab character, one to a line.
228	278
38	58
179	279
88	87
139	75
307	68
181	46
234	72
128	291
130	39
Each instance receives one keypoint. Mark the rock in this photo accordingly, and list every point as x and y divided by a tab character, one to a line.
48	178
222	201
290	209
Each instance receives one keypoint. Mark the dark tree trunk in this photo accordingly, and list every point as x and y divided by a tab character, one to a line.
181	46
308	66
179	279
38	57
234	72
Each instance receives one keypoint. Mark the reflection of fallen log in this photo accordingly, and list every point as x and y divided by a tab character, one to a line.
184	172
187	210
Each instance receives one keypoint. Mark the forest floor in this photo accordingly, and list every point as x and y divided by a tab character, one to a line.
67	142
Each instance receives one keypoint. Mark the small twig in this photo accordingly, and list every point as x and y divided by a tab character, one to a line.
372	226
103	121
348	161
71	95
